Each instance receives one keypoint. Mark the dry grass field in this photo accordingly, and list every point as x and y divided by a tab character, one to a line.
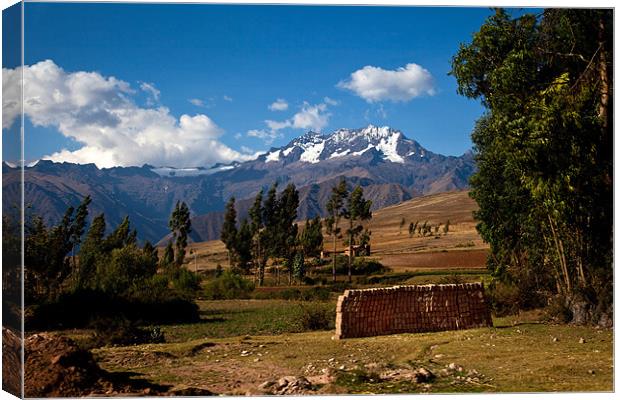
461	248
519	354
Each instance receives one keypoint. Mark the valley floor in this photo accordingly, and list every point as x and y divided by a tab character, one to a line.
519	354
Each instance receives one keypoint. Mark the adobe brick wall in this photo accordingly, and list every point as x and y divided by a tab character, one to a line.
419	308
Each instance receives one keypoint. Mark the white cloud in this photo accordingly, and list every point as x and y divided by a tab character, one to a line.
375	84
278	125
313	117
197	102
152	91
310	116
227	98
267	136
100	113
331	101
278	105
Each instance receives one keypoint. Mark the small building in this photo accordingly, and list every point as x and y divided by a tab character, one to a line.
358	250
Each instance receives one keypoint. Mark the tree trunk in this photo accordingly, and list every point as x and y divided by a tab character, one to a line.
350	248
603	76
561	255
334	259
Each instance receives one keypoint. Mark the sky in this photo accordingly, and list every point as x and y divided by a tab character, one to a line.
188	85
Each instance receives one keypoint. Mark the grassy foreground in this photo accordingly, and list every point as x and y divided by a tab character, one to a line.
519	354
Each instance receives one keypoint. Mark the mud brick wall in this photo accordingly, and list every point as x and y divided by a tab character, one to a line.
402	309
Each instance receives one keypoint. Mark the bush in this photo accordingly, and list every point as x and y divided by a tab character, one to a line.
228	286
557	311
317	317
504	298
78	309
123	332
184	281
316	293
451	279
361	266
122	269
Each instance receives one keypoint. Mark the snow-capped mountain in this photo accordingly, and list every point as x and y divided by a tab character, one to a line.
388	165
314	147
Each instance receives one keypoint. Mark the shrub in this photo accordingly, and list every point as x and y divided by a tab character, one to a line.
228	286
317	317
184	281
557	311
316	293
123	268
504	298
361	266
78	309
123	332
451	279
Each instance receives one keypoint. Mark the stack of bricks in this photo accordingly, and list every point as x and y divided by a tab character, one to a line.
402	309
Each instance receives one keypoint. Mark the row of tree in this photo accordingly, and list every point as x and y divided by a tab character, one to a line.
68	258
270	230
425	228
544	152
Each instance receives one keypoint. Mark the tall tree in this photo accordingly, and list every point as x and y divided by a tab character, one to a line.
78	226
228	234
311	238
543	152
357	210
181	226
90	251
167	258
259	250
243	245
287	230
335	209
120	237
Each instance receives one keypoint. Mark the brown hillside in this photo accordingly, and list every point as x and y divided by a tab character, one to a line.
462	247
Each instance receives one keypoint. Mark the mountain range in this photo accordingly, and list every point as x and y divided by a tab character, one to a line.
389	166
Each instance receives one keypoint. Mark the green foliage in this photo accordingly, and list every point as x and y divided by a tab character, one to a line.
316	317
311	238
119	331
243	246
168	256
185	282
299	267
360	266
357	209
181	226
316	293
123	268
543	149
335	209
228	234
122	236
228	286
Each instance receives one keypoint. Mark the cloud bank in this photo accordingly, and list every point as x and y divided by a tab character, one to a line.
375	84
102	115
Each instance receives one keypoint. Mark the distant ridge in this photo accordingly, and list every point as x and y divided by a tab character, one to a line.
389	166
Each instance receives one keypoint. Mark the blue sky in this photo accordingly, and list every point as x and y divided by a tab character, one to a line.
207	74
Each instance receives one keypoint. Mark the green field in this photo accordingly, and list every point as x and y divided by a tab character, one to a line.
242	343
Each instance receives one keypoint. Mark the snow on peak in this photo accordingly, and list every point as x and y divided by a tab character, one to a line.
273	156
378	132
388	146
312	152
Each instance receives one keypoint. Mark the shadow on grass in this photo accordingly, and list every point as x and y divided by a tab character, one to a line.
129	382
